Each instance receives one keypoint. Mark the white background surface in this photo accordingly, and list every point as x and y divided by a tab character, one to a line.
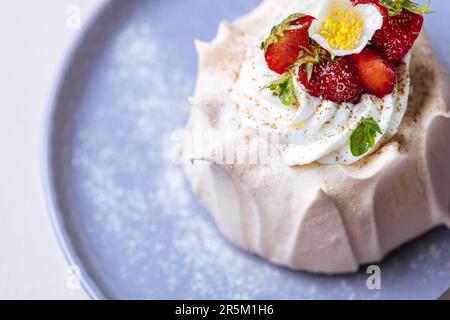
34	41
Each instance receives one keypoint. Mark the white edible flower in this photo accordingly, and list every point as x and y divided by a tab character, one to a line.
344	29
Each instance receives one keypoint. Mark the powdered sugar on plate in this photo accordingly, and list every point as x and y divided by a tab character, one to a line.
131	215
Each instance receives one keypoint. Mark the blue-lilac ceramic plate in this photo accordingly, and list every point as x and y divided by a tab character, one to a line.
124	213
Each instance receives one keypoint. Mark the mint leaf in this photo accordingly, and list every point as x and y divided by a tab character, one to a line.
283	88
364	137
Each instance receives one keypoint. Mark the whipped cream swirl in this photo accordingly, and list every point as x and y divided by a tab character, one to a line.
315	130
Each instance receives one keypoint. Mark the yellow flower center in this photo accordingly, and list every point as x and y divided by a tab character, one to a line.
342	29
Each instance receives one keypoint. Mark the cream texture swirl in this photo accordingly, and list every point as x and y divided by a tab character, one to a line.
315	130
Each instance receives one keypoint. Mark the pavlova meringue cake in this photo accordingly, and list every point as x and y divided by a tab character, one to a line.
319	136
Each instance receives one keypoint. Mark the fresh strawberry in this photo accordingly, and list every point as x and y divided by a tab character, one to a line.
286	41
397	36
336	80
377	76
402	23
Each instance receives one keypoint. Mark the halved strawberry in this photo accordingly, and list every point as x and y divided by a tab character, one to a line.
377	76
336	81
397	36
286	41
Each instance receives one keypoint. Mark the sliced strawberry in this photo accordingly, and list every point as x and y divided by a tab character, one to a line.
377	76
397	36
283	46
336	81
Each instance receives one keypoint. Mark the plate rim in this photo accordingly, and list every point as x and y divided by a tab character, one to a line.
88	284
48	131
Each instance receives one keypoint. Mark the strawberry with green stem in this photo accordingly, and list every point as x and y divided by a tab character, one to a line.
331	78
286	41
402	24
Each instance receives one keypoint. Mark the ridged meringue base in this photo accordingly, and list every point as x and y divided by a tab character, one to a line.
327	219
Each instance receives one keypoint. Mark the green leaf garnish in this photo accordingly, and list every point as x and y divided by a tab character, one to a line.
278	31
283	88
395	7
364	136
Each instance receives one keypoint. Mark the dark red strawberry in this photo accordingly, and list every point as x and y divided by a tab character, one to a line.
336	80
397	36
377	76
286	41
